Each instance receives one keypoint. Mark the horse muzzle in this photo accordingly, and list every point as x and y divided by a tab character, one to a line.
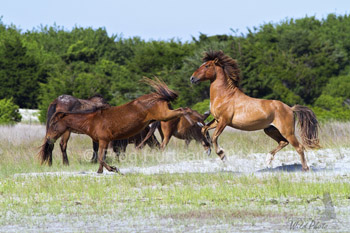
50	140
194	80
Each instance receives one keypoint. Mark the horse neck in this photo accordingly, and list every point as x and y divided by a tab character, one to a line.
78	122
220	86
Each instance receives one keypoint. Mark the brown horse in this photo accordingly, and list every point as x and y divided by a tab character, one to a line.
230	106
182	129
119	146
106	125
68	103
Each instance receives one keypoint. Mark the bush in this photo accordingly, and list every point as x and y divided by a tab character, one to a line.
331	108
202	107
9	112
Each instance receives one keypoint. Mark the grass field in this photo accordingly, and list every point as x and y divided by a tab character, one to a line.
178	190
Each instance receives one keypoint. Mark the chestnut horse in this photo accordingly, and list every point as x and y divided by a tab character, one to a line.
231	107
106	125
68	103
182	129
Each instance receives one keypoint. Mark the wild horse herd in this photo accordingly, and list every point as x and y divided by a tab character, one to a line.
136	121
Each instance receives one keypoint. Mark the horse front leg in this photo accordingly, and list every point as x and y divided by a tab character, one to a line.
219	151
95	153
103	146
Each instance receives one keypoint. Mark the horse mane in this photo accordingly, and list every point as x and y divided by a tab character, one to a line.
97	95
87	111
161	89
229	65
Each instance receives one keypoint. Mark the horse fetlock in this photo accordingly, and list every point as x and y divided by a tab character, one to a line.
269	159
306	168
221	153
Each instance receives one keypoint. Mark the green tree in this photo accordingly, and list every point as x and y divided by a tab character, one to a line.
18	71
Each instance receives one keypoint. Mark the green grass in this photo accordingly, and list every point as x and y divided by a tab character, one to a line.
145	193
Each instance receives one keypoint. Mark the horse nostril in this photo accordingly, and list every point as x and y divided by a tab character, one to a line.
193	79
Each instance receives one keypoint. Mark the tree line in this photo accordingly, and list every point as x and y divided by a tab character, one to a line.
298	61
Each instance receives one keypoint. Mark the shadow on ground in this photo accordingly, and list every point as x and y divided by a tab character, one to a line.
296	167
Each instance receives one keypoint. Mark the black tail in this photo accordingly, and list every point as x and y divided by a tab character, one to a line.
45	153
50	111
151	131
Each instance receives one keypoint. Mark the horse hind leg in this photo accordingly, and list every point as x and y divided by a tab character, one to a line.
300	149
63	145
273	132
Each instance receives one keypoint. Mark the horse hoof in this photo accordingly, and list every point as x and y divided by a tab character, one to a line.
100	171
200	124
224	159
208	152
306	169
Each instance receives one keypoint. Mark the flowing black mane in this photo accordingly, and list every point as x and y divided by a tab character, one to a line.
229	65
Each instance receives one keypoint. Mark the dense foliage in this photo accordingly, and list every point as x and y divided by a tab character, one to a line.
304	61
9	112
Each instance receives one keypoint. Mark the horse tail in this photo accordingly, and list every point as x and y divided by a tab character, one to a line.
50	111
45	153
308	125
161	89
151	131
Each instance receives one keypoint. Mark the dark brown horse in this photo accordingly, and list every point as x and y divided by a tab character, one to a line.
231	107
182	129
68	103
106	125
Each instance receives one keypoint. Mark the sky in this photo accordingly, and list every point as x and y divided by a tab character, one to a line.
162	19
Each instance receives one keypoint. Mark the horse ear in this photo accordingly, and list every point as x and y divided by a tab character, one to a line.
216	60
63	115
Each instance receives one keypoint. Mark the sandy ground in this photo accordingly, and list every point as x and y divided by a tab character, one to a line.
328	162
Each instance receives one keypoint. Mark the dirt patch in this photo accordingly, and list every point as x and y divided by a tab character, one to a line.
228	214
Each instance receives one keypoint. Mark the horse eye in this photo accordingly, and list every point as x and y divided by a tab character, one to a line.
206	66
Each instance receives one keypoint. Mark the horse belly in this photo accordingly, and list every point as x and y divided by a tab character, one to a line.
250	124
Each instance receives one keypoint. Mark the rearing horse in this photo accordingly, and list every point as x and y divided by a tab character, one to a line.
231	107
106	125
